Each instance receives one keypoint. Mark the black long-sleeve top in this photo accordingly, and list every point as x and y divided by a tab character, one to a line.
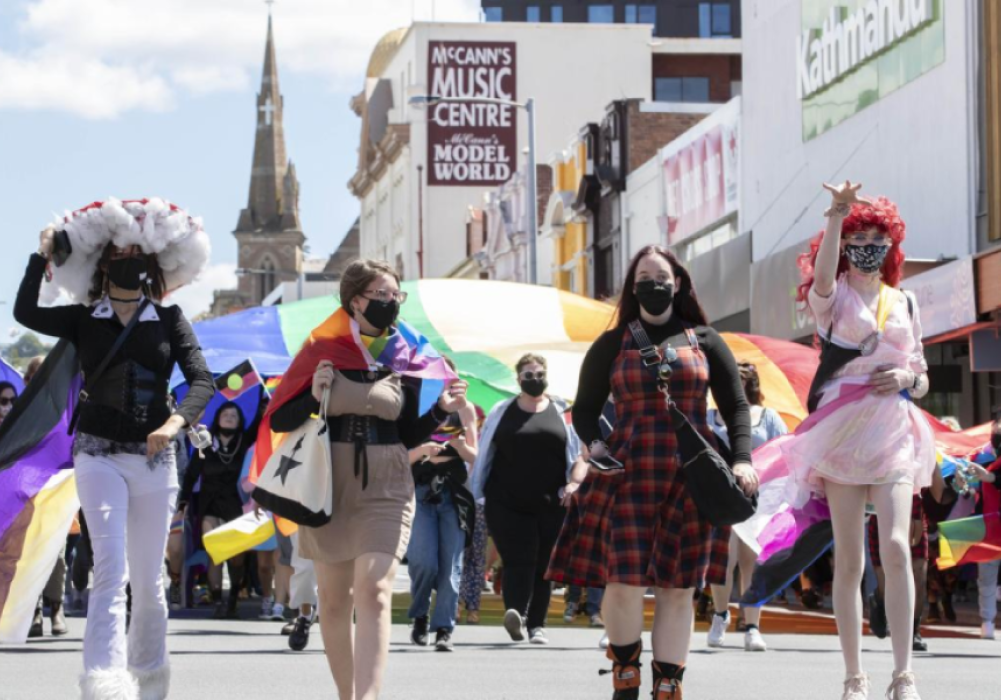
724	380
413	428
154	345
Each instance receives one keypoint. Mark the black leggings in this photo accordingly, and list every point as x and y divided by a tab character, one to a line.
525	541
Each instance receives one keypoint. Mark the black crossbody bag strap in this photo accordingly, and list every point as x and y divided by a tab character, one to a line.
650	351
96	375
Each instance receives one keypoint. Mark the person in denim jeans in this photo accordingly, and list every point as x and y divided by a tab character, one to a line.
443	526
592	605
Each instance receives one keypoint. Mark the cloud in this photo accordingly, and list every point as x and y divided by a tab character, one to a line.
102	58
196	298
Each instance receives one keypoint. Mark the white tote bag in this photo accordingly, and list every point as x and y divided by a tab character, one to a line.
297	482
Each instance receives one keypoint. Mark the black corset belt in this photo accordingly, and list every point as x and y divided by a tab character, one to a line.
362	431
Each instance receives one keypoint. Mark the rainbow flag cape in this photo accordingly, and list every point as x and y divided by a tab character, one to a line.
37	490
976	539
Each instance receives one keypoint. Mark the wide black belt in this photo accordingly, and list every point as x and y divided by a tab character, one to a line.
362	431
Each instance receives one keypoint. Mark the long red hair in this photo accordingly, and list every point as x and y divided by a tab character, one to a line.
882	215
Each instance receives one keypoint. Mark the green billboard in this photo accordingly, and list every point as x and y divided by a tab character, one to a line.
851	53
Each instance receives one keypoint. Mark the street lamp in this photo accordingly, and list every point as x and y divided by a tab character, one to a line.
424	101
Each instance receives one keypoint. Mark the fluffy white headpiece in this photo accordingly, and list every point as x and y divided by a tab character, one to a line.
181	245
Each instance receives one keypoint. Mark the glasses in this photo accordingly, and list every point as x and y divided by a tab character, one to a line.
386	295
866	239
529	375
5	402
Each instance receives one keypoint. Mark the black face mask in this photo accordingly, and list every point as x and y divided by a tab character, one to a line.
228	432
534	387
867	259
127	273
381	314
996	443
655	298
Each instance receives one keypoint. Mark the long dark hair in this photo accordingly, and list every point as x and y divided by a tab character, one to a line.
215	419
154	287
752	383
686	303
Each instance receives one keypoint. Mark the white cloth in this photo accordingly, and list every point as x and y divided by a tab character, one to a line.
303	584
987	581
128	507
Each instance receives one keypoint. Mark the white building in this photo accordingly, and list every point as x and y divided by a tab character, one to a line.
420	170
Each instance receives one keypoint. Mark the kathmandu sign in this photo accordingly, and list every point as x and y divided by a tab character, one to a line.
472	143
849	39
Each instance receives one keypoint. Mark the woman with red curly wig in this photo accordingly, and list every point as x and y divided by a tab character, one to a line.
871	445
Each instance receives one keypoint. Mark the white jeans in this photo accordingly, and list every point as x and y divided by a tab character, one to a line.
303	584
128	507
987	581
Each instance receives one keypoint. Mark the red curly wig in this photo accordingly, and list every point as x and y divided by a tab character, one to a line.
882	215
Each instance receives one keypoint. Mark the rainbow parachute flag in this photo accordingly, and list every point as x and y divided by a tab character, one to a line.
976	539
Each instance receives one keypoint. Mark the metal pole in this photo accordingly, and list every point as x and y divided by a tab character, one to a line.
420	222
533	193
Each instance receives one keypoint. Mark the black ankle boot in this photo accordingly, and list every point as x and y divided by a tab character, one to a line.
232	613
918	644
625	670
220	606
667	680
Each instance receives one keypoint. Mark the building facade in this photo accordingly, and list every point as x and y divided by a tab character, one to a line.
420	170
268	233
835	91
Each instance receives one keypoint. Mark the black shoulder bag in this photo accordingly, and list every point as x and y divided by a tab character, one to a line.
92	380
708	478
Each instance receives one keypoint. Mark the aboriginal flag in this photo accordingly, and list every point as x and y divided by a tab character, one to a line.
238	380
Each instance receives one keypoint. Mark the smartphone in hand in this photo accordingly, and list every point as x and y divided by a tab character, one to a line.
606	463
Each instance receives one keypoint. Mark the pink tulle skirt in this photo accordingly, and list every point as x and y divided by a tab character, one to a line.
872	440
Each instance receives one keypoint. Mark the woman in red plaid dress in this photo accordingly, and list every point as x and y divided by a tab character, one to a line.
636	527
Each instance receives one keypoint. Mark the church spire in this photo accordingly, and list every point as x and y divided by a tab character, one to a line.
267	179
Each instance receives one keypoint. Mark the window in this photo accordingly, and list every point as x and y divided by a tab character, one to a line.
681	90
493	14
714	20
641	14
533	14
556	13
601	14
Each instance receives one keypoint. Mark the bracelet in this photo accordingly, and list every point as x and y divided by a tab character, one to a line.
842	209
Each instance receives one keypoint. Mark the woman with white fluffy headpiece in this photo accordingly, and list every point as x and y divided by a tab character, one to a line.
110	264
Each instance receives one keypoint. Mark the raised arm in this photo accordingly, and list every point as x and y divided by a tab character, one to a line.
57	321
825	270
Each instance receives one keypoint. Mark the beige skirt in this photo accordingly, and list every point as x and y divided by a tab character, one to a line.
373	520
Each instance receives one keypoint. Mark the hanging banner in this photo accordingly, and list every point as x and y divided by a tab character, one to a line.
472	143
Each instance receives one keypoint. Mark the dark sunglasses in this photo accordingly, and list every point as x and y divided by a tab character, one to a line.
6	401
541	374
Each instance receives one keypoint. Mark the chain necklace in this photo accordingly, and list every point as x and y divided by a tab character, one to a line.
227	459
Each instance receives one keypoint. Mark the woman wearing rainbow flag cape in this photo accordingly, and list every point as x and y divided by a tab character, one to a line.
865	442
116	260
377	370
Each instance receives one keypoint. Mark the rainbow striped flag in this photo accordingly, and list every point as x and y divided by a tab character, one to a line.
37	490
976	539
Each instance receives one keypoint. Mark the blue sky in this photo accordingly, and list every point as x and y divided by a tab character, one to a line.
144	98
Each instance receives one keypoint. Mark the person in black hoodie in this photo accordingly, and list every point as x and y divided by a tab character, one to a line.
219	466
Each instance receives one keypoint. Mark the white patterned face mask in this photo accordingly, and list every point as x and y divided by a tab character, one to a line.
867	259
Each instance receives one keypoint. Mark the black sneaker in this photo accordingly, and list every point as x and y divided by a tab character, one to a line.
299	638
918	644
36	624
175	595
443	640
419	633
877	617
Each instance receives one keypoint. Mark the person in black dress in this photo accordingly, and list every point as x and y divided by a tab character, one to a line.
637	527
219	466
526	453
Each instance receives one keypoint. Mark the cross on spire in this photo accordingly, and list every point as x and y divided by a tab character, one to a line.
268	108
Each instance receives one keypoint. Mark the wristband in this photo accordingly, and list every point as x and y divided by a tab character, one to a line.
841	209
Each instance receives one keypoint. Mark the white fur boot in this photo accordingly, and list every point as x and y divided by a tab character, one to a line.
108	684
155	684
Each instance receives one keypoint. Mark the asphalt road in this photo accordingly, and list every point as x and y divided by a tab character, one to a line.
249	660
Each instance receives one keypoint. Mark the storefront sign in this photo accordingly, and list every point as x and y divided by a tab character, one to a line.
701	170
849	39
472	143
946	297
851	53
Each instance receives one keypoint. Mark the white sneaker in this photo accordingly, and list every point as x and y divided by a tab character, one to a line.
987	630
267	607
603	642
856	687
537	635
903	688
717	632
514	623
753	641
278	612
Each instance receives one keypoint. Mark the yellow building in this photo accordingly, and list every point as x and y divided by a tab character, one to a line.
568	215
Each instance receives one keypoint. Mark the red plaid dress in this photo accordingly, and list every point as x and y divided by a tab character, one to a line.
639	527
